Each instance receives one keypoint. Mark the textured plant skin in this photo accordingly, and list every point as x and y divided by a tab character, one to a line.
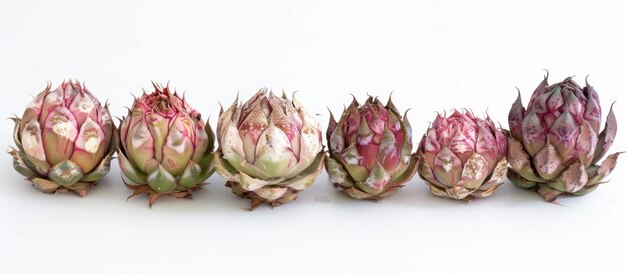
270	149
369	150
65	140
555	143
463	157
165	147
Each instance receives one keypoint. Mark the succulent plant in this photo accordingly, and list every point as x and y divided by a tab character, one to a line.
463	157
556	142
270	149
166	148
370	147
65	140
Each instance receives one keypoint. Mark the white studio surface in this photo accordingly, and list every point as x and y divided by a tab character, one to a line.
434	56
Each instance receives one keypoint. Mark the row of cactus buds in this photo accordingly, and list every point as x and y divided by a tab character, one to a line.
270	147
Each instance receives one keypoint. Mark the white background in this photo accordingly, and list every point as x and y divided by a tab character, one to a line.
434	55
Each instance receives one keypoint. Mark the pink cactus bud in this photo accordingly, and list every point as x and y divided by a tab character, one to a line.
463	157
64	139
370	150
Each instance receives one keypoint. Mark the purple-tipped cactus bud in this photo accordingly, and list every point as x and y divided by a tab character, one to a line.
559	133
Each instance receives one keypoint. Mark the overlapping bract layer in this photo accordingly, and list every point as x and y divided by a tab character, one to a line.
370	150
269	148
65	139
463	157
166	148
555	143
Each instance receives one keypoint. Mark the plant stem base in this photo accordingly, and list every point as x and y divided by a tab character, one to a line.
256	200
153	195
47	186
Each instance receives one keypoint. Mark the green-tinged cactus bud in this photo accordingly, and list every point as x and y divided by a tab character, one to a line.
270	149
165	146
